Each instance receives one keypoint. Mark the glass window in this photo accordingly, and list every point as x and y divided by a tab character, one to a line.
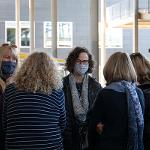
25	37
10	29
11	35
47	34
114	37
25	34
64	35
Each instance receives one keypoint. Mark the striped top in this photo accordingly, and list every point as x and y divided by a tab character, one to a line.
33	121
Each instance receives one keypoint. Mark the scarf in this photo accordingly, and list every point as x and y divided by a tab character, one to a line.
135	115
80	104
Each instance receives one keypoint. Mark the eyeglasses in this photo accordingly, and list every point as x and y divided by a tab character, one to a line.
78	61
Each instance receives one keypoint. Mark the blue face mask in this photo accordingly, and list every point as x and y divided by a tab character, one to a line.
7	68
81	69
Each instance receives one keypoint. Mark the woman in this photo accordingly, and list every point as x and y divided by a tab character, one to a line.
8	64
34	111
80	92
117	119
142	67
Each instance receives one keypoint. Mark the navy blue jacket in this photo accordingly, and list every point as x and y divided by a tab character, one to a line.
33	120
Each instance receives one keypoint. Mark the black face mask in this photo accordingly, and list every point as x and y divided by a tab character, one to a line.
7	68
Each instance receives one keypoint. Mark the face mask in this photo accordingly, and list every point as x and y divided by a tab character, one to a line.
81	69
7	68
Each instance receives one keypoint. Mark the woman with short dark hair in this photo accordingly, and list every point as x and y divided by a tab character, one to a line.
80	92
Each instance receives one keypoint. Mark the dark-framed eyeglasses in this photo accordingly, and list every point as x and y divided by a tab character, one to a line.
78	61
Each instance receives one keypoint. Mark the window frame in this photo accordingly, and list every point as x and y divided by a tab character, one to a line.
12	25
70	44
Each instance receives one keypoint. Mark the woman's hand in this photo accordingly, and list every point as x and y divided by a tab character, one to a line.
99	128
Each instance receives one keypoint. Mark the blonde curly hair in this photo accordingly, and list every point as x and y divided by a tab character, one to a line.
38	74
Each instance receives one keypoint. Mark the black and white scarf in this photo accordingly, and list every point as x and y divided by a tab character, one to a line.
80	104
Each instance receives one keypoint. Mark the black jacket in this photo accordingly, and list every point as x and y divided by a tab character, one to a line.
72	138
1	111
146	90
111	109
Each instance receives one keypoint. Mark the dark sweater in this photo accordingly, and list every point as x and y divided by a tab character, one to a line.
111	110
1	110
33	120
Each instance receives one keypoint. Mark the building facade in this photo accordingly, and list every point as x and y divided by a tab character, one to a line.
73	27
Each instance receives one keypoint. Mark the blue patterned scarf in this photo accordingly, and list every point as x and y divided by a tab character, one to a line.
135	114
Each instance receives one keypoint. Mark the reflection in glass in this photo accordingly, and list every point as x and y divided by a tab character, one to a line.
25	37
114	37
47	34
64	35
11	35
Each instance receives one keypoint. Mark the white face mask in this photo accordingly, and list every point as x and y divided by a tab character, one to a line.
81	68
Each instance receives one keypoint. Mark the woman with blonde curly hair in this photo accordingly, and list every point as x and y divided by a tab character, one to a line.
34	111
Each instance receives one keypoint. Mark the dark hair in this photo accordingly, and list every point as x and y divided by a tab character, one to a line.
74	54
142	67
